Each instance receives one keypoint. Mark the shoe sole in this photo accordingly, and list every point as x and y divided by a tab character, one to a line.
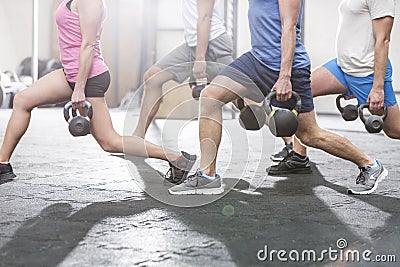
367	192
292	171
7	176
205	191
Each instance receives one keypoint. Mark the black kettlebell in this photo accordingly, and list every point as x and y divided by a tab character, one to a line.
283	122
79	125
373	123
349	112
197	85
252	117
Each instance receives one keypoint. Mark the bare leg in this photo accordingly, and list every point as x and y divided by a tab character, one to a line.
50	89
392	122
210	125
110	141
323	82
310	134
287	139
154	79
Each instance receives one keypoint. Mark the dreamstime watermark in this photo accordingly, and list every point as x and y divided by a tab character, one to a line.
340	253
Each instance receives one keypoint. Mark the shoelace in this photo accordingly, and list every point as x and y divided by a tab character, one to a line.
361	178
291	153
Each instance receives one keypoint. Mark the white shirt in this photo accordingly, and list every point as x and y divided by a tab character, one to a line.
190	14
355	40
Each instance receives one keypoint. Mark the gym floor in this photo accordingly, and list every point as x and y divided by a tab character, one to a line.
71	206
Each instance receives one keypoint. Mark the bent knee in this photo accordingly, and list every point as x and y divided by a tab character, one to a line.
111	146
214	93
148	75
393	133
20	101
311	138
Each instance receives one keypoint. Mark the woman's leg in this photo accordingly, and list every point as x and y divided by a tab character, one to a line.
110	141
50	89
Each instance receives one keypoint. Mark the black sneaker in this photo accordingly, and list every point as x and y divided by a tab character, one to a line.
6	172
292	163
283	153
179	169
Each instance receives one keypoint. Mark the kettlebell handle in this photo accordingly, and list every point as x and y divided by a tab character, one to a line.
193	80
339	107
366	105
241	106
68	106
272	95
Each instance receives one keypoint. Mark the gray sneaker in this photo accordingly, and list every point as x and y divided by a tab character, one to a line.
281	155
198	184
368	179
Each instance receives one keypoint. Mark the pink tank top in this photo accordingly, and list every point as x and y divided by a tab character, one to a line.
70	40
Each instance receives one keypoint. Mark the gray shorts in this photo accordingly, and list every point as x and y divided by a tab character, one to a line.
180	60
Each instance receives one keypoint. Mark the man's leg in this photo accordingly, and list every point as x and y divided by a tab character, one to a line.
154	79
371	171
206	181
310	134
210	125
391	126
323	82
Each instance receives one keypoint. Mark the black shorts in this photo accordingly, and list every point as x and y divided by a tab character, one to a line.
96	86
257	77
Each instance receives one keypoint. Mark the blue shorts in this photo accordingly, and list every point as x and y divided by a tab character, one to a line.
259	79
361	86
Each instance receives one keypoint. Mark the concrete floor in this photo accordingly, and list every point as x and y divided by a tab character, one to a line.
74	205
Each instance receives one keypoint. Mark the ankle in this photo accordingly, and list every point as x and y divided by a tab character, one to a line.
300	155
289	145
209	172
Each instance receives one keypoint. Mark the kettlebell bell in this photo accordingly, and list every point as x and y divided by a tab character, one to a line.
79	125
197	85
252	117
283	122
373	123
349	112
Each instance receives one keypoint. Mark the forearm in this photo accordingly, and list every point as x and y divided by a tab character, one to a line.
380	63
203	35
85	64
288	43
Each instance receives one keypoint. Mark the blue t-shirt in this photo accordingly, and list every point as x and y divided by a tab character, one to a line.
266	32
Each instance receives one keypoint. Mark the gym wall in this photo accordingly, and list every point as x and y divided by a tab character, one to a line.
122	37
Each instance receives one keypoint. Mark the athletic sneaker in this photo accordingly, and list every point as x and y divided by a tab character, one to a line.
368	179
198	184
292	163
6	172
283	153
179	168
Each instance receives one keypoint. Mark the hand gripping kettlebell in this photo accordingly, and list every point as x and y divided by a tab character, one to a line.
283	122
349	112
373	123
197	85
78	125
252	117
